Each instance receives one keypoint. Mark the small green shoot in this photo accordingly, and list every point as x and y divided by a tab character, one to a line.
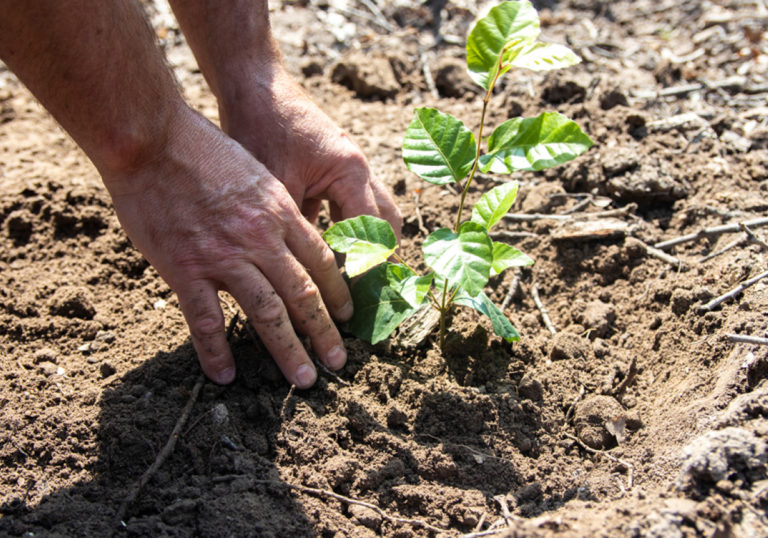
440	149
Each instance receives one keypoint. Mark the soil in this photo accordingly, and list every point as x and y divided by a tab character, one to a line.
638	417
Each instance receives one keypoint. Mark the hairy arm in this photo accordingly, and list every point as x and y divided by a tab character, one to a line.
78	58
205	213
265	110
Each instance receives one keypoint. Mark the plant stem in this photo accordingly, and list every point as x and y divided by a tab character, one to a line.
444	307
486	100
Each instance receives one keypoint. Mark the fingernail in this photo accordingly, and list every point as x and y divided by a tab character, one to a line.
346	311
305	376
336	358
225	376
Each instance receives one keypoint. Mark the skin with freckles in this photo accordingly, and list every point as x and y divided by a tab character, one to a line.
211	210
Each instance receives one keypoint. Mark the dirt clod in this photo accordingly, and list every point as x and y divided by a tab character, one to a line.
590	418
728	454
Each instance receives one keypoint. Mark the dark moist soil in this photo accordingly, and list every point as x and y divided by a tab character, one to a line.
549	432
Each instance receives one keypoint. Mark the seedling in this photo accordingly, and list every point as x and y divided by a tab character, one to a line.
441	150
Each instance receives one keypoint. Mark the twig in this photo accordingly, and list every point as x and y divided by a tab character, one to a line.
628	466
514	288
746	339
512	236
469	449
578	207
381	20
530	217
349	500
196	422
752	236
326	371
735	82
655	252
579	396
714	230
170	444
542	309
417	209
284	407
164	453
584	215
481	522
631	373
504	509
714	303
489	532
726	248
428	75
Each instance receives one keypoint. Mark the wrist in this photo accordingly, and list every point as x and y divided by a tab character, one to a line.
130	150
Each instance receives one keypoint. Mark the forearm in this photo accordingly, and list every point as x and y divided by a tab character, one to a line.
232	42
95	67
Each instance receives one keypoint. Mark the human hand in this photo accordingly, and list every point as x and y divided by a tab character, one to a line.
208	216
274	119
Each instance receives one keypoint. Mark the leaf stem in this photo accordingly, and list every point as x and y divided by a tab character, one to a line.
401	260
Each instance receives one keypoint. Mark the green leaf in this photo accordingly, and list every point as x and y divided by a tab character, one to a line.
494	204
541	56
464	259
412	287
506	256
367	241
534	143
379	309
502	31
438	147
501	325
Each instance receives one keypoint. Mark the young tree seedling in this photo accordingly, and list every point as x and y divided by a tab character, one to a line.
441	150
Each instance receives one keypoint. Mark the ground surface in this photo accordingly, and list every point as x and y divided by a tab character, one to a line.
96	364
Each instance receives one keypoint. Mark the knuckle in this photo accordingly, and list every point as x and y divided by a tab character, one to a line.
305	292
326	260
206	327
270	311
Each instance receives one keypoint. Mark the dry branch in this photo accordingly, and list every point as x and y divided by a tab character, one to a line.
714	303
349	500
628	466
746	339
735	83
752	237
628	378
655	252
164	453
714	230
584	215
512	236
170	444
542	309
729	246
428	79
514	289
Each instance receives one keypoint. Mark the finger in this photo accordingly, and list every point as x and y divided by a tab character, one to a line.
200	305
311	209
354	196
387	208
304	241
269	318
305	306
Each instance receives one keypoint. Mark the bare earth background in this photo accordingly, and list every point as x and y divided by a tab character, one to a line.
639	417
